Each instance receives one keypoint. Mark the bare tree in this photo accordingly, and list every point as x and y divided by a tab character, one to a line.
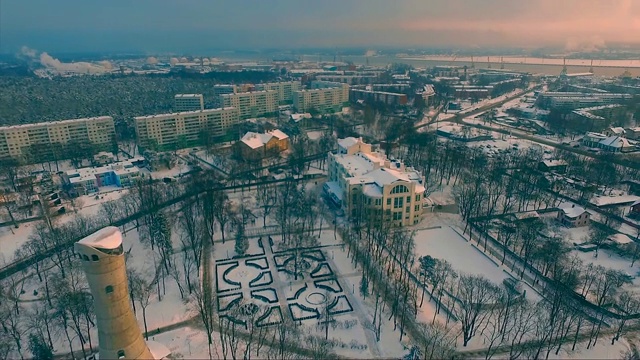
141	291
266	198
473	296
436	341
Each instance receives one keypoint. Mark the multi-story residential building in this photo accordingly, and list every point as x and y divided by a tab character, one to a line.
180	130
388	98
252	104
576	100
188	102
354	79
325	97
223	89
285	90
17	141
367	183
89	180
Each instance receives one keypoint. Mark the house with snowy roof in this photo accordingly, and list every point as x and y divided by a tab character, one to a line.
572	215
254	145
366	183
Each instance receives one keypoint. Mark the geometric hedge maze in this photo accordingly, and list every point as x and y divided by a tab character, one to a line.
246	291
316	289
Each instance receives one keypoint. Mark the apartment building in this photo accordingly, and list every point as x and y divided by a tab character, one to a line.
252	104
576	100
16	141
184	129
285	90
388	98
89	180
325	97
188	102
367	183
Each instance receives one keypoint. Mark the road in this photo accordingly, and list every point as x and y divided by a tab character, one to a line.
459	118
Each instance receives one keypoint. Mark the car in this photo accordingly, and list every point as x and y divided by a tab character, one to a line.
576	145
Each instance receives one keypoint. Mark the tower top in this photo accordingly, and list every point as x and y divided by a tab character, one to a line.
105	238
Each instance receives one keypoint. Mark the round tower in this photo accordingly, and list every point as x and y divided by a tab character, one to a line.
103	263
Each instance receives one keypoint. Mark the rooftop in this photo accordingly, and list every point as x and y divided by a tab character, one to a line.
571	210
184	113
188	96
105	238
61	122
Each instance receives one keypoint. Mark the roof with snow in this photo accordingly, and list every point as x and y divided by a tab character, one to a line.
616	142
571	210
105	238
279	134
347	142
620	239
554	163
255	140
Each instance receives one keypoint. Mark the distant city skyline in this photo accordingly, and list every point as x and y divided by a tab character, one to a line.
190	25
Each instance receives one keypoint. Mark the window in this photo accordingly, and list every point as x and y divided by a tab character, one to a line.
399	189
398	202
108	289
408	199
85	258
417	208
407	209
120	354
417	197
397	215
94	257
388	201
378	202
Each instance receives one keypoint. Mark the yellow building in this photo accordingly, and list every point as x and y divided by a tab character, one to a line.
184	129
119	336
252	104
285	90
16	141
256	146
188	102
367	183
325	97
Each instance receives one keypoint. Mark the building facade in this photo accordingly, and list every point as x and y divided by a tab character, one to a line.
180	130
256	146
325	97
284	90
572	215
188	102
89	180
389	98
119	336
252	104
367	184
17	141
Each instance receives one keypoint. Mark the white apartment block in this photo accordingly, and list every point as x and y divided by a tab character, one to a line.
362	181
178	130
285	90
15	141
252	104
188	102
325	97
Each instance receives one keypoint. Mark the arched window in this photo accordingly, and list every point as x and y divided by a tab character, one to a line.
94	257
85	258
120	354
399	189
108	289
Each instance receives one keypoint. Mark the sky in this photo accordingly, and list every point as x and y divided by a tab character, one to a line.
192	25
